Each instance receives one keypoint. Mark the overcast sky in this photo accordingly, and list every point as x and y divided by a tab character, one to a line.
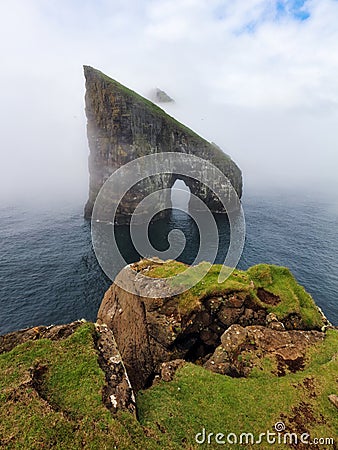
258	77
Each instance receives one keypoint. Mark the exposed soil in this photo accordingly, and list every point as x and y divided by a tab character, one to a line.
268	297
293	365
301	421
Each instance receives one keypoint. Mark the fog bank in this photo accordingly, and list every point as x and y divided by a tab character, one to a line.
257	79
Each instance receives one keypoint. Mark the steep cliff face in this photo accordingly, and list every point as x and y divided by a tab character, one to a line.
123	126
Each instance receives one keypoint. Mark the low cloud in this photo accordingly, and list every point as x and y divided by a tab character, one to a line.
258	78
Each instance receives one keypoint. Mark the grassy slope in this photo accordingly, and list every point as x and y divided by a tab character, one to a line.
72	416
198	398
69	413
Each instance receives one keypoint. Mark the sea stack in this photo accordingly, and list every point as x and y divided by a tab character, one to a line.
123	125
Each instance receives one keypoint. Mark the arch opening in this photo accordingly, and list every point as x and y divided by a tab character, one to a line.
180	195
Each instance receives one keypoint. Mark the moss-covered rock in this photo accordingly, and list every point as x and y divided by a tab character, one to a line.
67	386
153	326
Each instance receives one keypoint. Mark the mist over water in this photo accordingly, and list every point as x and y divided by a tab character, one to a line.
49	273
259	82
266	93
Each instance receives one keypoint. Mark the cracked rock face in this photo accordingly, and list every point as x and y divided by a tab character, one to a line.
150	331
242	349
123	126
230	333
118	393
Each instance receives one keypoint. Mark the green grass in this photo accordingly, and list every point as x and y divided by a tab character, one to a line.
71	414
197	398
68	411
277	280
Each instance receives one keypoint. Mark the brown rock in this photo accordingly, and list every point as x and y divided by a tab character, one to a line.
209	337
168	369
233	338
124	313
243	348
334	399
53	332
235	300
228	316
247	317
214	303
149	331
150	328
220	363
117	394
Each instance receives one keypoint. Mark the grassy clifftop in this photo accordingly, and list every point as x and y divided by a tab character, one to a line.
273	288
52	385
51	398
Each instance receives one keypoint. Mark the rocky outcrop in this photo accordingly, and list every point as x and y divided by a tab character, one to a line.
214	330
125	315
123	126
243	349
168	369
117	394
53	332
159	96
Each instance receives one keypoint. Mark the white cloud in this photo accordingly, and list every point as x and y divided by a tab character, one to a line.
262	85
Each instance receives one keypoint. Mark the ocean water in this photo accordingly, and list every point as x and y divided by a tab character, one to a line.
49	273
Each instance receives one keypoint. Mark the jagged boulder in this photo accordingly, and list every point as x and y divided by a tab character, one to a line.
152	326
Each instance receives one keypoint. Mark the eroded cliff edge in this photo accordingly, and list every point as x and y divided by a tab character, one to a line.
270	355
123	126
254	313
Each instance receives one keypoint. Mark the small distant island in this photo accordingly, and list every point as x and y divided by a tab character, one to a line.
159	96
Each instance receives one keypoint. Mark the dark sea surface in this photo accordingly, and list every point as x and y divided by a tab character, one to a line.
49	273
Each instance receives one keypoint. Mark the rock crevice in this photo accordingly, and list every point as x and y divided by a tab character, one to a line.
228	333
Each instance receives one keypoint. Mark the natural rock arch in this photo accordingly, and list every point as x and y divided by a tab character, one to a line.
123	126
